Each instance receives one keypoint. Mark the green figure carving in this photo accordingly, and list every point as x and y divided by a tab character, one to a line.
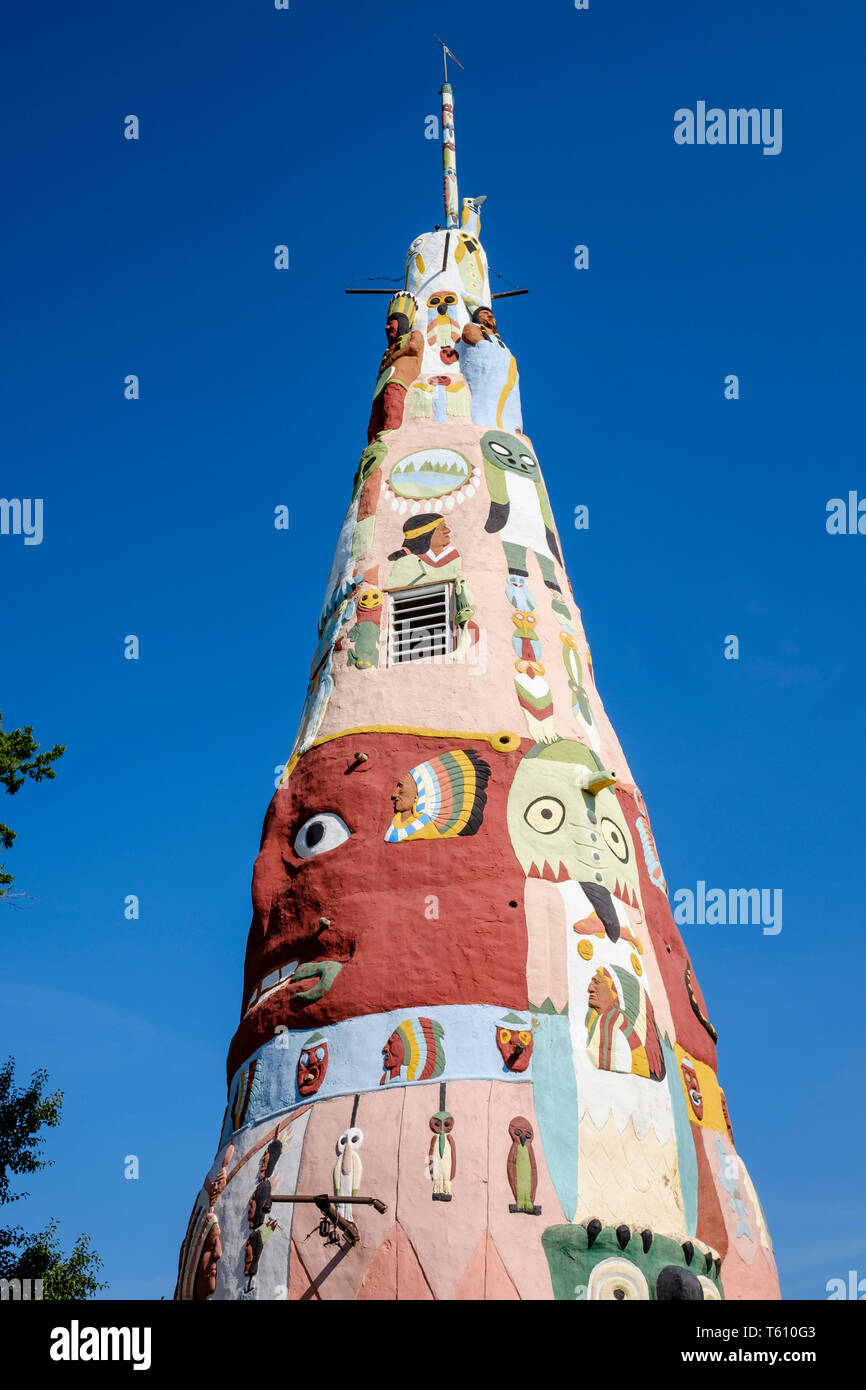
364	652
519	507
369	462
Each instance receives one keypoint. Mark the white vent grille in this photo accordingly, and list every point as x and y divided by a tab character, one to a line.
420	624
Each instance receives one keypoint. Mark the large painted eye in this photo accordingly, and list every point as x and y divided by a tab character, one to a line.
527	458
499	449
504	1036
321	833
615	839
525	1038
617	1279
545	814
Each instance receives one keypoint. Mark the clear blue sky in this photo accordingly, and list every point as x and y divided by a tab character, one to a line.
707	516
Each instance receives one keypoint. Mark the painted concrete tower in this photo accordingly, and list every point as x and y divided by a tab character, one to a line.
473	1060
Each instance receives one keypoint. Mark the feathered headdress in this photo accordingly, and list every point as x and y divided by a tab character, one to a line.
451	797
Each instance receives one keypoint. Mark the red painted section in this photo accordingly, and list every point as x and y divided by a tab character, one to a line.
379	897
395	1266
711	1223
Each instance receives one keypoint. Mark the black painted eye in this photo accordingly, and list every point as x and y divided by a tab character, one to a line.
545	814
615	839
321	833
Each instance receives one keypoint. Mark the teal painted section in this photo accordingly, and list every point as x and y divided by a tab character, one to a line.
686	1156
554	1090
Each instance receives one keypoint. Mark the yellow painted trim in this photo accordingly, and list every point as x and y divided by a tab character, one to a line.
506	390
491	739
407	1032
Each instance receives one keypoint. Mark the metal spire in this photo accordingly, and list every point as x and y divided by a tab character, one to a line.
449	154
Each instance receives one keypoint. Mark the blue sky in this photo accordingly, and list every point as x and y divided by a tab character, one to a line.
707	516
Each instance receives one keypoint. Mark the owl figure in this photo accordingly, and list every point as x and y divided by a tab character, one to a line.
348	1169
522	1170
442	1157
443	329
519	594
525	638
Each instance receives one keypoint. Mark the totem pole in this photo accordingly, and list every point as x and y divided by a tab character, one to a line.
519	998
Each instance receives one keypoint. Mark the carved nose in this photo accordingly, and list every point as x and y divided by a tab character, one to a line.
681	1285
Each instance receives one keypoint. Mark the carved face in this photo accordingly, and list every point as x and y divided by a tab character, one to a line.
525	623
397	325
605	1270
693	1090
269	1159
601	993
508	452
442	303
393	1053
324	855
206	1274
565	823
349	1141
486	320
440	538
369	600
515	1046
521	1131
312	1066
442	1122
404	796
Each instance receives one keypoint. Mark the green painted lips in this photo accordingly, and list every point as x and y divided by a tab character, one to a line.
304	983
